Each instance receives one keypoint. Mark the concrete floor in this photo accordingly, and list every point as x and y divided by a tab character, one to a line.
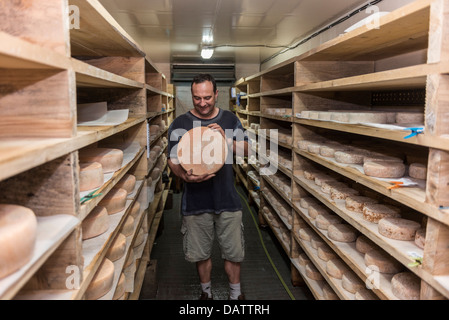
176	279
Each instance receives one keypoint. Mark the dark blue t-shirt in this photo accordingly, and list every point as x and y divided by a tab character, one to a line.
217	194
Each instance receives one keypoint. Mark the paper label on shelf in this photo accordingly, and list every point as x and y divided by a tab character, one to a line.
148	139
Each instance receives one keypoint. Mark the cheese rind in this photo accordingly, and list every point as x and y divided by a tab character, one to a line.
18	232
115	200
117	248
384	169
323	221
349	157
373	212
351	282
336	268
328	293
326	253
120	289
128	182
342	232
398	228
110	159
102	281
128	226
406	286
365	294
96	223
356	203
313	273
339	193
379	260
420	237
418	171
91	175
364	245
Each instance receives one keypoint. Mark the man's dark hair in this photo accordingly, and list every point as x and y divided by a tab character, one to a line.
203	77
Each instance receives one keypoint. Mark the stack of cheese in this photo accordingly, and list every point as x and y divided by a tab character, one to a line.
18	235
279	111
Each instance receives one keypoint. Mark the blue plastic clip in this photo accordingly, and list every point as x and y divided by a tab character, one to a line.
415	131
256	188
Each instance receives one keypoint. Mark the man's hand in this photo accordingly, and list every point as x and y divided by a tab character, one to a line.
188	176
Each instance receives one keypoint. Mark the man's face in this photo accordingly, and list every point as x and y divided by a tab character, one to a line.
204	98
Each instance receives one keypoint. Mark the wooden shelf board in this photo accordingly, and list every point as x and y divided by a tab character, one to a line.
99	34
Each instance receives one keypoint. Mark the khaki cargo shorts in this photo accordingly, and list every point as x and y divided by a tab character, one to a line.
200	231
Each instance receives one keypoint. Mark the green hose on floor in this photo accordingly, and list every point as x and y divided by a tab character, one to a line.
263	245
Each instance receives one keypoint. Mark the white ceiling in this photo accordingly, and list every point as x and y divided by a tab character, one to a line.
173	29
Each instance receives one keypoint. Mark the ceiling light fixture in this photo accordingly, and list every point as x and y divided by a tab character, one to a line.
206	53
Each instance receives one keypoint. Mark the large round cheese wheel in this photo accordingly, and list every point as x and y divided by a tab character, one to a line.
96	223
303	259
155	174
339	193
306	233
320	177
310	174
356	203
317	242
316	209
326	253
117	248
384	169
328	150
420	237
314	148
139	238
365	294
130	259
406	286
373	212
336	268
91	175
120	288
349	157
18	228
115	200
313	273
342	232
102	281
323	221
398	228
135	210
128	226
351	282
328	293
373	157
304	144
379	260
202	150
364	245
304	202
326	186
418	171
110	159
128	182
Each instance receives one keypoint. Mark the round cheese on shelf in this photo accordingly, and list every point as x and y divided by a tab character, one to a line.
139	238
373	212
135	209
328	150
339	193
155	174
128	182
303	259
120	288
18	231
310	174
102	281
110	159
117	248
342	232
356	203
328	293
420	237
351	282
364	245
398	228
316	209
326	186
304	144
306	233
314	148
304	202
130	259
91	175
373	157
323	221
384	169
365	294
114	201
406	286
317	242
96	223
379	260
128	226
349	157
322	177
336	268
313	273
418	171
326	253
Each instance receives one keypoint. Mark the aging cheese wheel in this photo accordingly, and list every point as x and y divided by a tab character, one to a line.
384	169
328	293
323	221
102	281
303	259
306	233
398	228
336	268
18	228
342	193
128	226
326	186
110	159
322	177
314	148
365	294
202	150
130	259
420	237
379	260
306	201
317	242
139	238
326	253
316	209
373	157
117	248
373	212
135	210
406	286
310	174
120	289
313	273
351	282
115	200
96	223
356	203
304	144
364	245
155	174
128	182
349	157
328	150
91	175
418	171
342	232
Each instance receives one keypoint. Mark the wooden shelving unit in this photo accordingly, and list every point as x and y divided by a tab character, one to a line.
365	69
48	69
